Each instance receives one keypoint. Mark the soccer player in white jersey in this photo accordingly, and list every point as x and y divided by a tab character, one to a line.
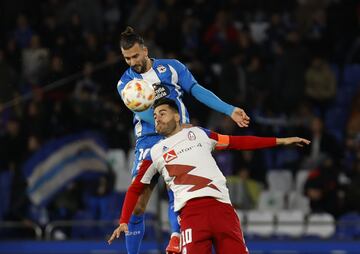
170	79
184	159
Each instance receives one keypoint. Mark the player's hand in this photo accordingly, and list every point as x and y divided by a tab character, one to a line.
240	117
293	141
123	227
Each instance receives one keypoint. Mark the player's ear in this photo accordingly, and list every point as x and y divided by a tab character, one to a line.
177	117
146	51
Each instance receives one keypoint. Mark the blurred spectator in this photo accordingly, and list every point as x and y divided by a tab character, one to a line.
321	187
253	161
353	124
92	52
320	84
352	191
50	32
112	15
257	87
23	33
14	141
243	190
233	76
143	15
322	145
291	84
221	34
35	60
8	79
190	29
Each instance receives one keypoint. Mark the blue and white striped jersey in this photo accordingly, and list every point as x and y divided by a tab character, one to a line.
170	79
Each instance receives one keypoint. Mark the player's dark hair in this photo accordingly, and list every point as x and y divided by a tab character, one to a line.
129	38
166	101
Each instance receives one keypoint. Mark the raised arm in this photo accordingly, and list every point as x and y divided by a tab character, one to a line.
208	98
205	96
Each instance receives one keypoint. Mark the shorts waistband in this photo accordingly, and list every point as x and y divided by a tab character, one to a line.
200	202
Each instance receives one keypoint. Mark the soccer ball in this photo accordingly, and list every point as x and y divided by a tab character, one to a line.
138	95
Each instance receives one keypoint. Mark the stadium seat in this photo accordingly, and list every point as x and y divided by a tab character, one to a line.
118	161
259	223
164	204
241	215
290	223
279	180
286	157
352	74
272	201
5	191
348	226
297	201
300	179
320	225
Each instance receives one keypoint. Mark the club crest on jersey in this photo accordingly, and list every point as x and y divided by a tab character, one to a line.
161	68
169	156
191	135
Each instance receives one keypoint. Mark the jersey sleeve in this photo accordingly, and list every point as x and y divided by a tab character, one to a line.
208	98
134	191
185	78
240	142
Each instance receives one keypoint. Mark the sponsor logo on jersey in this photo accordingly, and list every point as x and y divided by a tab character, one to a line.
191	135
160	91
187	149
169	156
161	69
182	177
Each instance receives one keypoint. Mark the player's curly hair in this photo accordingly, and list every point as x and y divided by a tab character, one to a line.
129	37
166	101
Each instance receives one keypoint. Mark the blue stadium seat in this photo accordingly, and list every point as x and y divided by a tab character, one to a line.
348	226
5	191
84	231
352	74
335	120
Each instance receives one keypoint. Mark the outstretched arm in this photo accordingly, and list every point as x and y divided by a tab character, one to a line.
190	85
208	98
292	141
252	142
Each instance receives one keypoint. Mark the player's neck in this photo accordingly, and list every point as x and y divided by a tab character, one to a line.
149	63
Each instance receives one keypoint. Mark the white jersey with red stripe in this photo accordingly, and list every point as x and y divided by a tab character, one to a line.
188	167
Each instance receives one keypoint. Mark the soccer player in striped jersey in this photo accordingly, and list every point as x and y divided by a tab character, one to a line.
171	79
184	159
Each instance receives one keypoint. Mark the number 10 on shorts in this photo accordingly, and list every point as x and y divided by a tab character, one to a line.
186	236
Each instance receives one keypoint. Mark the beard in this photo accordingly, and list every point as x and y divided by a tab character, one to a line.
140	68
166	129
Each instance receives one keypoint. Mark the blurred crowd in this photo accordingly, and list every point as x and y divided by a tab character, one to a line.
283	61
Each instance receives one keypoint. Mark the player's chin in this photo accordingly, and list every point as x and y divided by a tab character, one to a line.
158	129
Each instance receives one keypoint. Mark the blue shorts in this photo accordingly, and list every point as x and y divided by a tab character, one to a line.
142	150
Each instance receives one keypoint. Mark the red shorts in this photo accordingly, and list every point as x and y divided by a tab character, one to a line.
205	222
